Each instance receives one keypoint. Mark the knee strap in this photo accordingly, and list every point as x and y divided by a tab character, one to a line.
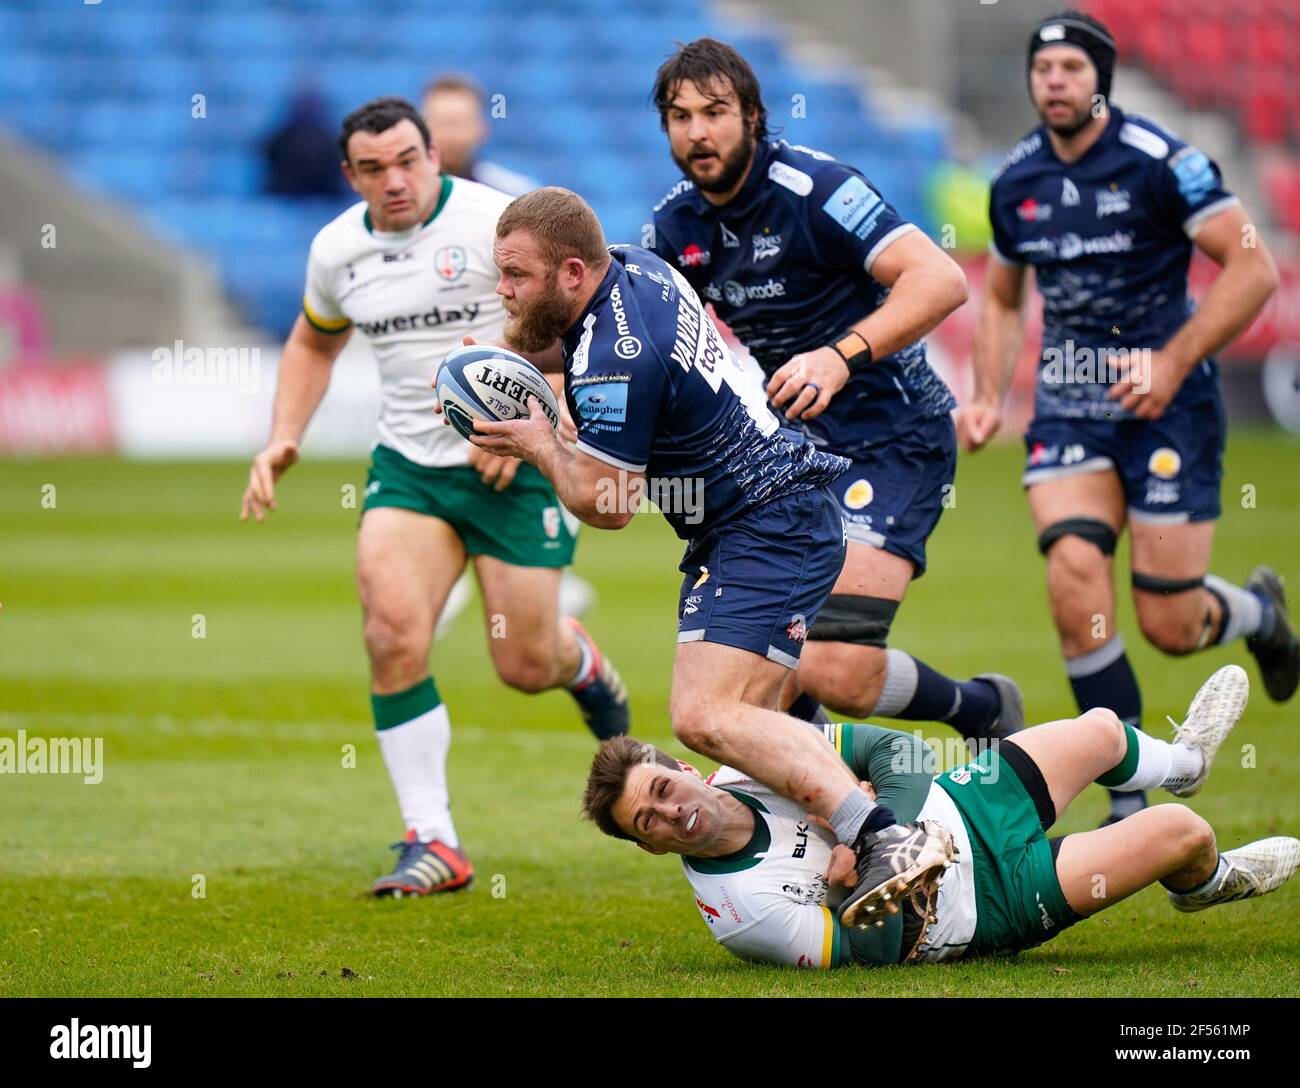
1153	584
1089	529
847	617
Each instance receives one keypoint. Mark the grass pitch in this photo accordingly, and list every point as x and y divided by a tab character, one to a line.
225	758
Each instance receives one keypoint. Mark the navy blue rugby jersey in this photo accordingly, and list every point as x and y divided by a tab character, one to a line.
1109	238
653	388
787	264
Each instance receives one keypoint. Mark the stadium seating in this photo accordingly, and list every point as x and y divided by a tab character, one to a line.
575	76
1239	57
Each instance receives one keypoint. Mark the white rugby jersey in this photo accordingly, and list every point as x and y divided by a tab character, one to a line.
412	294
770	902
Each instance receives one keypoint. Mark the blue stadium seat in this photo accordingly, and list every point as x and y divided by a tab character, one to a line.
109	87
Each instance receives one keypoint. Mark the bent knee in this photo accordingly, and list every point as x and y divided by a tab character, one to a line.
1175	631
1190	831
1105	725
696	727
527	672
1076	562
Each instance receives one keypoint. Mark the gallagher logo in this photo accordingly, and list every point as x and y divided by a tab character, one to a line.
1033	212
694	257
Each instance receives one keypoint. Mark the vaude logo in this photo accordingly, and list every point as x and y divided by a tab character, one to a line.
737	294
1070	246
78	1040
430	319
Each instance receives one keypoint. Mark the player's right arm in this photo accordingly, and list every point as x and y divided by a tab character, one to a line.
899	766
999	336
303	377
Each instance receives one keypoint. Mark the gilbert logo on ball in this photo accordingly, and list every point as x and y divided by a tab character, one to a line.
482	381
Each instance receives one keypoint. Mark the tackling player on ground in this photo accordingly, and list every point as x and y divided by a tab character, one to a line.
766	877
411	267
663	407
1104	208
832	292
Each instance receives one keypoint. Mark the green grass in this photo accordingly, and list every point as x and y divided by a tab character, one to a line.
224	758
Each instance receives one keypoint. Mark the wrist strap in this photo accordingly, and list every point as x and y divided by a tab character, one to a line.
853	349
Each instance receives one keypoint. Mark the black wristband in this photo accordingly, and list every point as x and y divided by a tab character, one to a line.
853	349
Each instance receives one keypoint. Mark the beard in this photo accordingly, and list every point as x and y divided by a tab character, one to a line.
537	326
733	166
1069	128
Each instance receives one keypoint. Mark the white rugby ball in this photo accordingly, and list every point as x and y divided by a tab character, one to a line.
482	381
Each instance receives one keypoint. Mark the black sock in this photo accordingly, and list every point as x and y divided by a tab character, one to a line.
914	691
1105	678
808	709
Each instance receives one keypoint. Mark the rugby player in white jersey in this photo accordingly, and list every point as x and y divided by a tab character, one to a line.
411	268
767	877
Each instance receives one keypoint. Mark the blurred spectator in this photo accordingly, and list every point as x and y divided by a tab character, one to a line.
454	108
302	155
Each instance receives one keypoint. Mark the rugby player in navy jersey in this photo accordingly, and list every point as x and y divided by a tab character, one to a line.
832	292
1128	423
664	410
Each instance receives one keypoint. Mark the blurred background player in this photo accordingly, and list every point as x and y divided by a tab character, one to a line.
411	267
766	878
1105	208
456	113
832	292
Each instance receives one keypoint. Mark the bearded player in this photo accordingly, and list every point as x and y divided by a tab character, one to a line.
767	878
832	292
1128	428
411	267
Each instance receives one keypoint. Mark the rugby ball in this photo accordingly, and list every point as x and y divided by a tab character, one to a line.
482	381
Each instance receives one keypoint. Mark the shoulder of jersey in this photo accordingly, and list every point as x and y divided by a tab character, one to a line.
729	776
477	195
341	233
1148	137
1026	150
676	196
798	168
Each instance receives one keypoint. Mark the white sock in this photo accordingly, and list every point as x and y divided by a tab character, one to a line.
586	663
899	686
1209	887
1159	763
416	755
1243	611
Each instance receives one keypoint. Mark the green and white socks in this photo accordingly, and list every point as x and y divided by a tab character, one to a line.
1151	763
414	734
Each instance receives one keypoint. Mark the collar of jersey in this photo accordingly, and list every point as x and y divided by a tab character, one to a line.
442	200
748	855
1108	136
601	293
